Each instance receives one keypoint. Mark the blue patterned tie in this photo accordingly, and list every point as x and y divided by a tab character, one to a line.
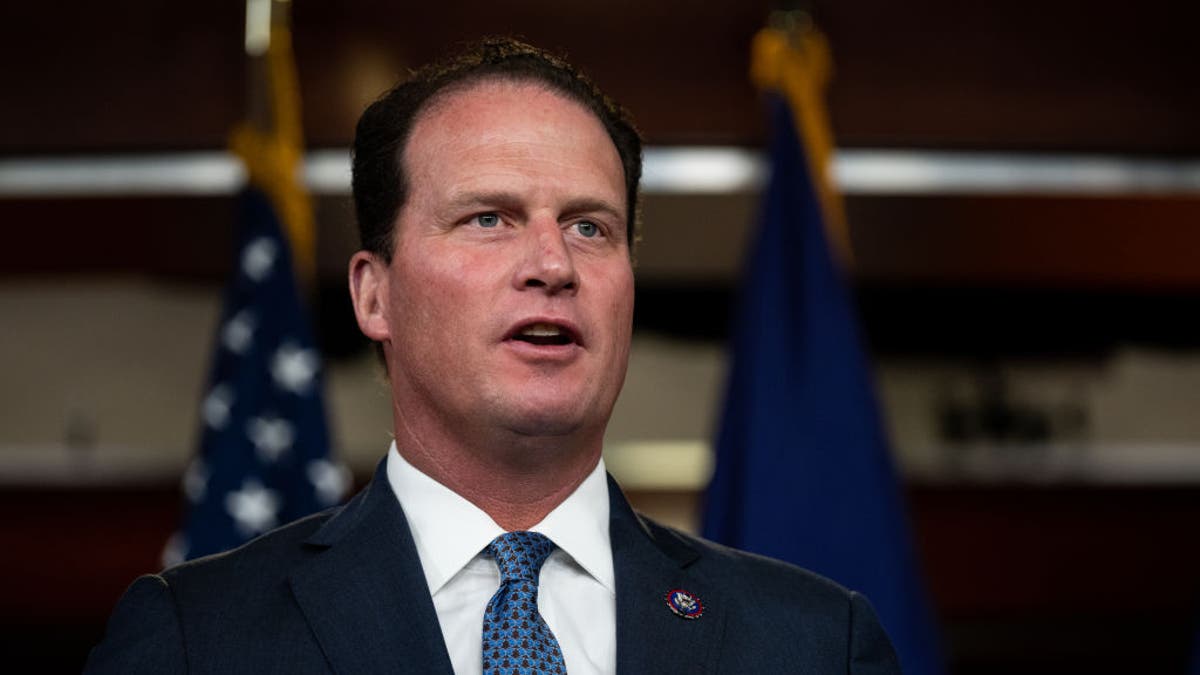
516	640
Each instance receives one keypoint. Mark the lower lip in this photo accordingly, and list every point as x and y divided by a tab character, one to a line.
530	351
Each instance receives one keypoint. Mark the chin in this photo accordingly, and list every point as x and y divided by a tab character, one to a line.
543	425
547	418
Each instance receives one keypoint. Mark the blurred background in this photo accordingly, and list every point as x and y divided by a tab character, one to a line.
1022	187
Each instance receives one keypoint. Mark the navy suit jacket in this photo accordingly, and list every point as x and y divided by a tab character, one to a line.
343	591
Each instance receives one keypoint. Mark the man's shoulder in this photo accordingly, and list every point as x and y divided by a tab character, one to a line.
272	555
779	615
221	600
751	573
264	564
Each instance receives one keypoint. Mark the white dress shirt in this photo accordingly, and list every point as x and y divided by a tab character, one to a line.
577	587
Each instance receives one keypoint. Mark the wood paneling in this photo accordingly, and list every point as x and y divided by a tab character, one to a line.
1100	76
1146	243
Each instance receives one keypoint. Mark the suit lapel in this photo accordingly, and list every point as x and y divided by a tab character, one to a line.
649	562
364	593
365	597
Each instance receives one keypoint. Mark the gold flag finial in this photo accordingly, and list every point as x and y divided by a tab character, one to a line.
270	142
791	56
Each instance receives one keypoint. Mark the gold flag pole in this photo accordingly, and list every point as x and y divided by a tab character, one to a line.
270	141
791	56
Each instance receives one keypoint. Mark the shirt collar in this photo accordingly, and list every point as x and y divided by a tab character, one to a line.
450	531
579	526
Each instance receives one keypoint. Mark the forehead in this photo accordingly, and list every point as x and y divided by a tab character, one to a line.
475	126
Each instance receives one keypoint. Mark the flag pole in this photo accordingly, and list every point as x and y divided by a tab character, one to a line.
792	56
257	42
270	140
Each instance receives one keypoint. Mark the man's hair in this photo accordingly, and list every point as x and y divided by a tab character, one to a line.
380	184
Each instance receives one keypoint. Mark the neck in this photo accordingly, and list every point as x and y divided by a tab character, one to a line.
517	480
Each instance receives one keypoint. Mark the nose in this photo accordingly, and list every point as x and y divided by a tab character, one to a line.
547	264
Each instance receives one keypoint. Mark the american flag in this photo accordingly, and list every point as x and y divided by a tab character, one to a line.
264	456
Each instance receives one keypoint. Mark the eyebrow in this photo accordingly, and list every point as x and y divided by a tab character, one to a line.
511	201
590	205
500	199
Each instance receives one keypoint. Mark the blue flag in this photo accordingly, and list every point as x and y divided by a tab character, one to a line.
1195	664
803	471
264	454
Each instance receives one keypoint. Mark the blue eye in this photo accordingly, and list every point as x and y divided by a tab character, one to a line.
487	219
587	228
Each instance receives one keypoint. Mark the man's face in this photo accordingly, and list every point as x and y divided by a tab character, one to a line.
510	294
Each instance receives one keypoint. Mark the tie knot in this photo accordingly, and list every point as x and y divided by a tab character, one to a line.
520	555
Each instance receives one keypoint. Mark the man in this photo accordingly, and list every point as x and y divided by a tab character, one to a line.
496	197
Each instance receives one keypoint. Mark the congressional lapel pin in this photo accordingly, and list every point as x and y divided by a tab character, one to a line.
685	605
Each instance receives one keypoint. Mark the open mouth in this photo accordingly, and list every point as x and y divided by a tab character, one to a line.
545	334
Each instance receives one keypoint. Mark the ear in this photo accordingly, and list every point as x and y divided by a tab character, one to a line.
369	294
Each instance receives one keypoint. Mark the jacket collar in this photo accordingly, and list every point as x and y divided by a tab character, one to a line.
368	603
365	596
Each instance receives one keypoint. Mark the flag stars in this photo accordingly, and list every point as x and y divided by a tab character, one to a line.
175	551
271	436
195	481
238	332
294	368
217	406
253	508
259	257
331	480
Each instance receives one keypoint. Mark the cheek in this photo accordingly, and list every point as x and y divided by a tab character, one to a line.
425	317
423	335
622	293
619	309
436	303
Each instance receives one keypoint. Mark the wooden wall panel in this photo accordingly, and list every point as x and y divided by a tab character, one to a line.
139	75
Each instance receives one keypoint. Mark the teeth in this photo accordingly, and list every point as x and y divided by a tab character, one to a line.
541	330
